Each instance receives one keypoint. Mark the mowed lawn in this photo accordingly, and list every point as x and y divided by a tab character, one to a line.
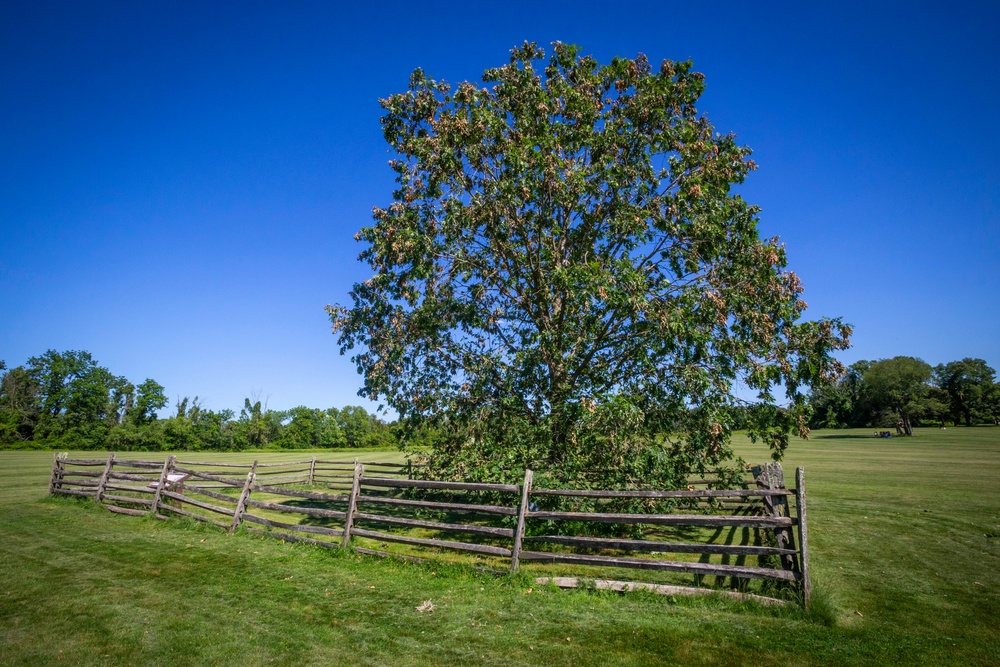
905	557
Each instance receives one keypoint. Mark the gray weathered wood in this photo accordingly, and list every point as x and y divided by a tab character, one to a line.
299	493
126	499
658	546
70	492
288	537
312	470
310	511
57	470
266	473
83	473
662	589
278	465
427	504
228	481
352	504
419	523
680	493
197	517
168	464
197	503
303	528
800	504
663	565
128	477
126	510
667	519
430	484
771	476
444	544
522	514
126	487
342	474
154	465
215	463
279	480
198	488
104	477
389	554
241	504
85	462
79	482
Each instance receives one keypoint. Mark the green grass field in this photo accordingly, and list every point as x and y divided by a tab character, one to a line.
905	557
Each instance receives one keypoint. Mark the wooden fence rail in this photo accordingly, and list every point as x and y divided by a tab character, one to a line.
753	533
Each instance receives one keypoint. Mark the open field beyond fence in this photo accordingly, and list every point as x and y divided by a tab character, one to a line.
904	552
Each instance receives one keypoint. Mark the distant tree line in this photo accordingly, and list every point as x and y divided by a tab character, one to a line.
906	391
66	400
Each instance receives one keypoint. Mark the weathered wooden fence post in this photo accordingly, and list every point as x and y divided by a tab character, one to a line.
800	506
352	504
242	502
770	476
58	467
312	471
104	477
522	511
168	465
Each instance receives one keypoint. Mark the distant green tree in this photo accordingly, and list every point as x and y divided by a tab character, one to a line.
257	426
362	429
900	385
844	402
967	384
80	401
991	403
308	428
150	397
20	405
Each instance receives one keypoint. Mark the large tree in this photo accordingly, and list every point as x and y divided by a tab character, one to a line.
968	384
566	278
901	385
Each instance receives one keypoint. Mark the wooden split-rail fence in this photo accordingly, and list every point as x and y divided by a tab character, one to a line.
738	535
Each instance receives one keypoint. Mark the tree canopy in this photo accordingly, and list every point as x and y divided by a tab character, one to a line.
969	387
905	391
901	385
566	276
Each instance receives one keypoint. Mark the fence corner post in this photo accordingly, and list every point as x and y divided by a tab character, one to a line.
312	471
800	510
242	502
104	477
352	504
770	477
168	465
55	481
522	512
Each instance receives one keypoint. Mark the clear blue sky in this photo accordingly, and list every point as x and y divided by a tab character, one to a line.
180	181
